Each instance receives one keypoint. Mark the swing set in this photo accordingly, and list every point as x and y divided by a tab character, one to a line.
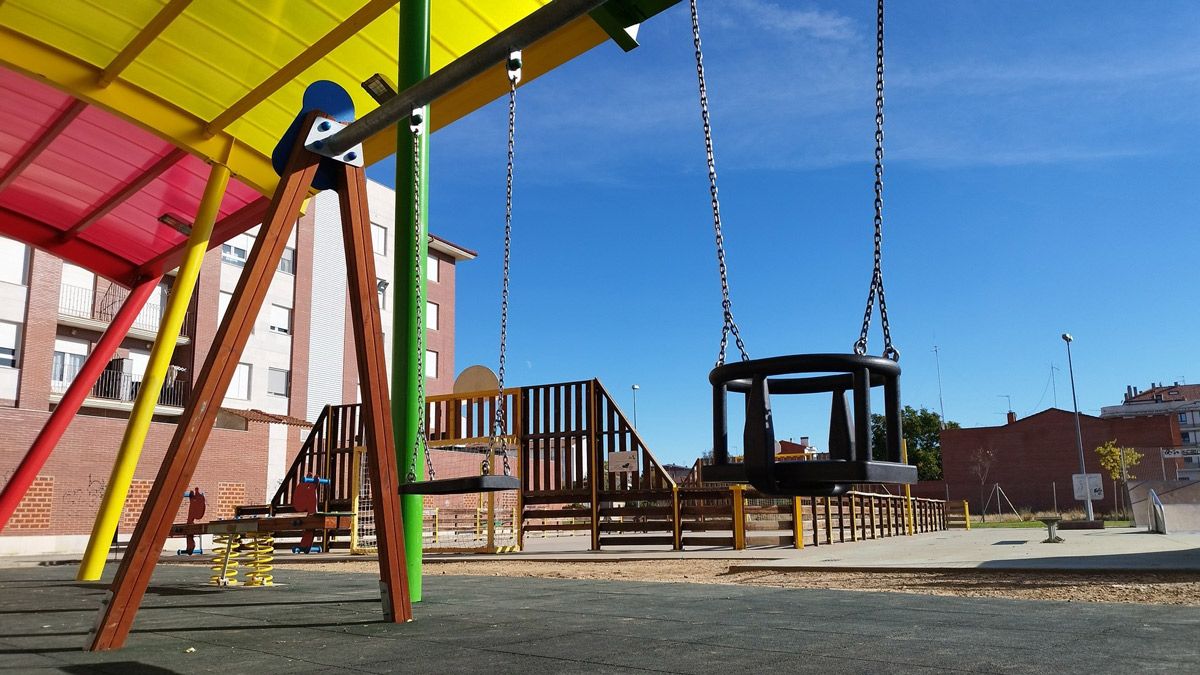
325	148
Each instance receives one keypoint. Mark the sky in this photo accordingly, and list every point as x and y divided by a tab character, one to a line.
1040	177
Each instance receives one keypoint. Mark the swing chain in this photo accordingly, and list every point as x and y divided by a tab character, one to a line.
730	326
498	441
416	125
860	346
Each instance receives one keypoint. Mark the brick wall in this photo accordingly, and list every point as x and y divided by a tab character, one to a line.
33	513
1037	455
441	340
229	496
41	325
80	465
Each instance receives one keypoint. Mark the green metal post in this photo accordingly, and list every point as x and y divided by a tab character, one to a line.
413	67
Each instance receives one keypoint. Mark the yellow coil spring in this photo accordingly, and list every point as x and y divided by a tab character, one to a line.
225	560
262	552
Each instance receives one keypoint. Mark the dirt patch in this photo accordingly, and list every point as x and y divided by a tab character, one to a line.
1166	588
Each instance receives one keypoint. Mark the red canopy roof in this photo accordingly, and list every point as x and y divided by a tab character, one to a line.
94	189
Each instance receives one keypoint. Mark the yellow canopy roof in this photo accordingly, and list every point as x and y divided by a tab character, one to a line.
222	79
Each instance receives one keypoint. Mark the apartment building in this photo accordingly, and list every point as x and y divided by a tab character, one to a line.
298	359
1181	401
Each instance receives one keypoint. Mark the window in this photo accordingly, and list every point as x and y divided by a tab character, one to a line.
236	250
138	360
13	259
381	287
431	364
1183	418
278	382
240	386
9	335
431	269
379	239
281	320
68	359
431	315
287	263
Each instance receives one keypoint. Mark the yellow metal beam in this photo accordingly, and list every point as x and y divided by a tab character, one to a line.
309	57
152	380
142	40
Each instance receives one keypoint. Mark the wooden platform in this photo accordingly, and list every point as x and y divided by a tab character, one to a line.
290	522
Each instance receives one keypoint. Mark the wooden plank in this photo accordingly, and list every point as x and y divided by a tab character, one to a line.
705	540
196	423
543	527
644	526
376	401
633	540
534	514
664	511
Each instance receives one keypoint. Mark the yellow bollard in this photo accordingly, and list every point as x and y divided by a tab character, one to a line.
798	523
967	513
156	371
739	517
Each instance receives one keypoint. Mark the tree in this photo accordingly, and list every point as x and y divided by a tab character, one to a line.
981	464
923	431
1110	460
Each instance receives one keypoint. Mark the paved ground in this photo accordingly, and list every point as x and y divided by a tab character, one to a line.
324	622
1004	548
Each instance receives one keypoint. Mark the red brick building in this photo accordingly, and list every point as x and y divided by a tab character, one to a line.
1035	456
299	358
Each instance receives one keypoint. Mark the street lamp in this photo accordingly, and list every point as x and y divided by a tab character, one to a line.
1087	487
635	391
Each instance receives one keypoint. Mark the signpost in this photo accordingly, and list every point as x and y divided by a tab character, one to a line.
1094	485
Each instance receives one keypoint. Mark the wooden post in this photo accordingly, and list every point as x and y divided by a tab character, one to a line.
798	523
677	518
853	518
594	463
841	521
739	516
828	522
376	401
812	501
195	425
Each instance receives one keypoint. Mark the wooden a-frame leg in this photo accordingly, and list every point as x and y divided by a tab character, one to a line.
373	380
133	576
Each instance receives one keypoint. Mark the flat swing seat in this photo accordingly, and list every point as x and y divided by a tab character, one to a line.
850	459
461	486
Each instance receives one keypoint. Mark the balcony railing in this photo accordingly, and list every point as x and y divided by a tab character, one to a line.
122	387
80	302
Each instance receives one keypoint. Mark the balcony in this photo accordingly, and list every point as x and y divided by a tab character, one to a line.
81	308
117	390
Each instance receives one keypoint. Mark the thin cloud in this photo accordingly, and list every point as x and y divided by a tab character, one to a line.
824	25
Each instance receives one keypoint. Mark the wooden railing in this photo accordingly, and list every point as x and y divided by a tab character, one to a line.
328	452
613	433
467	419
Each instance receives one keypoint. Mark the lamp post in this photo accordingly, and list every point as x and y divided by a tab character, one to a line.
1087	489
635	391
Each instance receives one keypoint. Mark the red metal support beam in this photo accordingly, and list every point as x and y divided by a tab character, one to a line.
128	190
373	378
84	253
31	152
14	491
196	424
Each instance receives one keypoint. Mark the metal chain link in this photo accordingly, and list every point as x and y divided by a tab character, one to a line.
499	425
416	125
730	326
876	289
